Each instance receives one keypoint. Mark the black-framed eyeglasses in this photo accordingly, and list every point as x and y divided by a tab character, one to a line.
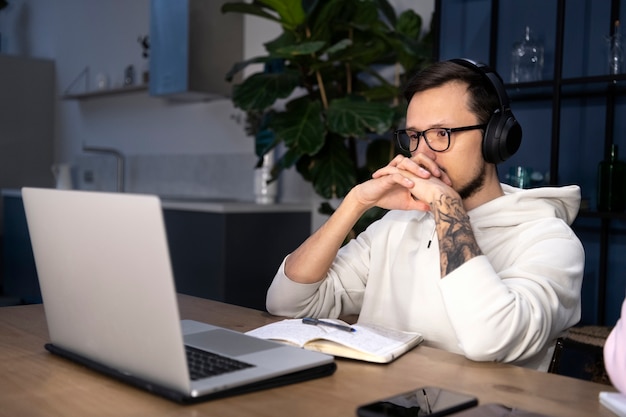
437	138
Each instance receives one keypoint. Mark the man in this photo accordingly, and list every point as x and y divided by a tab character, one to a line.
478	267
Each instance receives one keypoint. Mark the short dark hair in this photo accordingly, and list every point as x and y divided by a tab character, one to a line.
483	96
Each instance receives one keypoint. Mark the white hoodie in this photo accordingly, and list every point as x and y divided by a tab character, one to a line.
508	305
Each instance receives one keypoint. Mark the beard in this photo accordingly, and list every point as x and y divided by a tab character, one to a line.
475	184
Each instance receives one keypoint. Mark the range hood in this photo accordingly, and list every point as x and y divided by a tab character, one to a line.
192	47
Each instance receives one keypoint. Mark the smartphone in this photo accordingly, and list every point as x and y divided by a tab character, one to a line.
426	401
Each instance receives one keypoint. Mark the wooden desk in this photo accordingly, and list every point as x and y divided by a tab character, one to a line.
36	383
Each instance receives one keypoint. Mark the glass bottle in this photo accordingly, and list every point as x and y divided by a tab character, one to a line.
612	183
526	59
616	51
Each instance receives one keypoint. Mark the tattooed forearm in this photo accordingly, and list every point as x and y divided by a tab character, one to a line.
457	244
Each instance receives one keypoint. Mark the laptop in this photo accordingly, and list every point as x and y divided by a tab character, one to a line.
110	301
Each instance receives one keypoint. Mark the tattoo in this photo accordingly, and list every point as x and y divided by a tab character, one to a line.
457	243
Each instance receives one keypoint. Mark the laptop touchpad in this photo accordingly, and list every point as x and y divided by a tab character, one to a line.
228	343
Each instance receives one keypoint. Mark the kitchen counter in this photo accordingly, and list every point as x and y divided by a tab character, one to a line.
232	206
212	205
10	192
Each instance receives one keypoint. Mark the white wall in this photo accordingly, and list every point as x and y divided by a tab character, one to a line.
193	149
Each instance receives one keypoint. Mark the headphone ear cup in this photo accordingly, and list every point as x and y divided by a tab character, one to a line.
502	138
503	134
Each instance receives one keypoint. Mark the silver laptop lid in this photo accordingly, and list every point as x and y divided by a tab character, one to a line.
97	256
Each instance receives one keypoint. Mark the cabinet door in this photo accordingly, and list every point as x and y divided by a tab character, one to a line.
19	274
232	257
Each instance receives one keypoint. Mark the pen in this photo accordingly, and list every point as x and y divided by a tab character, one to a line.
428	409
316	322
431	237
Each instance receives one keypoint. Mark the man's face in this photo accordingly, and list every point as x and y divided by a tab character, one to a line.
446	107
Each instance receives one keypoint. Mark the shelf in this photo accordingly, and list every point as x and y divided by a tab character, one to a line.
579	87
105	93
569	81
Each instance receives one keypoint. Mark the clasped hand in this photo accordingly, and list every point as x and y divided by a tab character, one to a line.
405	184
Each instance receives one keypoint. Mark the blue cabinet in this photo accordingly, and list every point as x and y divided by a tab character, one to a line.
233	255
19	275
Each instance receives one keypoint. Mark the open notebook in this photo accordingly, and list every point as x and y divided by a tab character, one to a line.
110	301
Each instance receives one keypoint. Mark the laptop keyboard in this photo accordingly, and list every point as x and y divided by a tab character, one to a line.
203	364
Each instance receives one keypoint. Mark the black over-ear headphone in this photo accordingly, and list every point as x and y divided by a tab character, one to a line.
503	134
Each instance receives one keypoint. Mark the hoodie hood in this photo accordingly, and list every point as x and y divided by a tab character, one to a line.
523	205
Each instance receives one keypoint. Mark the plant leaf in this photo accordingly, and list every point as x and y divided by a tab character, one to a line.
332	172
290	11
365	14
409	24
378	154
387	11
288	159
261	90
352	117
239	66
301	127
341	45
303	48
382	92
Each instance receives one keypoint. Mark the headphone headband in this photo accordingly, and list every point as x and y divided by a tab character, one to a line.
493	77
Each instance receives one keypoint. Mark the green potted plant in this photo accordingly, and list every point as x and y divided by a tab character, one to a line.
329	67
